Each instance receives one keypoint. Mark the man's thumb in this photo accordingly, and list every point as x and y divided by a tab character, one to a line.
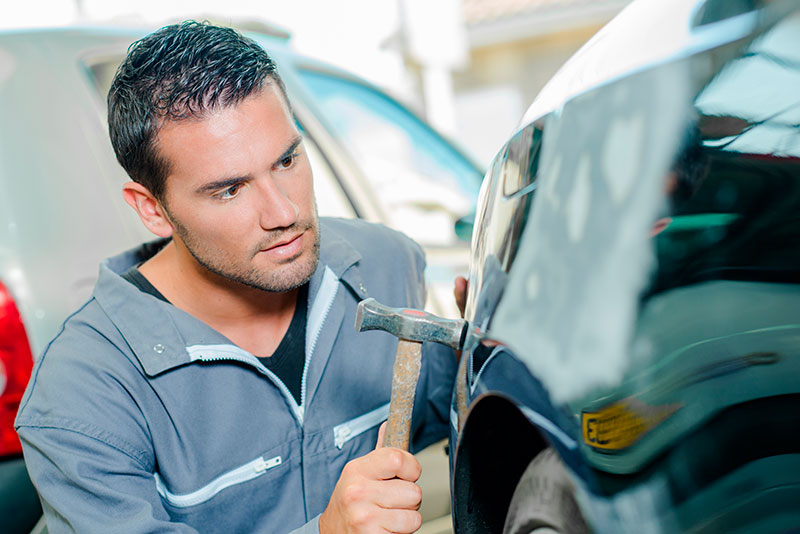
381	435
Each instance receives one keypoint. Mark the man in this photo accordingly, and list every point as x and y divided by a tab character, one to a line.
214	381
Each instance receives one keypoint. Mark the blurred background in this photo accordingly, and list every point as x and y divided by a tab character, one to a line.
368	79
470	67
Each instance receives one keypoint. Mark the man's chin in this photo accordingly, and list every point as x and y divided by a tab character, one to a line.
291	274
265	274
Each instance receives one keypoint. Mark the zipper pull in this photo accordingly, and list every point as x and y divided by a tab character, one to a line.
342	433
262	465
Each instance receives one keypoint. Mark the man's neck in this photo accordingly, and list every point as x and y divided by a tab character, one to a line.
255	320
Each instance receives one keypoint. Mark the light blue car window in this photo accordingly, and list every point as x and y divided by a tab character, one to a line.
424	183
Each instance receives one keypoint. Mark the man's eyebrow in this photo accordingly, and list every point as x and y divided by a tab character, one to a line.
224	183
288	152
221	184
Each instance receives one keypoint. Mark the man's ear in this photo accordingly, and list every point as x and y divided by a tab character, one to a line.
149	209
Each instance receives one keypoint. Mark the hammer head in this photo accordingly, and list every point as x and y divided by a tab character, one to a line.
410	324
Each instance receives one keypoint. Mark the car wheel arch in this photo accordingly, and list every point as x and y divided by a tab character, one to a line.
495	446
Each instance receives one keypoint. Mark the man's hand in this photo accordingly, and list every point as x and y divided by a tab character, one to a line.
460	293
376	493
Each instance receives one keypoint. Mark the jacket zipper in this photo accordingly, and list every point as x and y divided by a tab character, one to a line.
355	427
316	318
317	315
215	353
249	471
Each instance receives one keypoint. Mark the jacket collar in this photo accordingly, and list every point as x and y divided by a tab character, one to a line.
338	254
158	333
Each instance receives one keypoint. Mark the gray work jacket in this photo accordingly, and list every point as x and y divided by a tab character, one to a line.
141	418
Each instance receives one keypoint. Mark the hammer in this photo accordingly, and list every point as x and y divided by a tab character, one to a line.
412	327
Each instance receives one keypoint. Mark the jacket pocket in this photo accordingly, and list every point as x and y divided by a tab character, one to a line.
355	427
249	471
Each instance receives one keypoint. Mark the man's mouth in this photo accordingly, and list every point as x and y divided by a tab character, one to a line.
285	248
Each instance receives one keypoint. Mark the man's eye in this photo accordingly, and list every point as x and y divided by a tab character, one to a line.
229	192
287	162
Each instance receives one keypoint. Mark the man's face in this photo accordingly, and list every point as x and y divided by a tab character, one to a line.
240	195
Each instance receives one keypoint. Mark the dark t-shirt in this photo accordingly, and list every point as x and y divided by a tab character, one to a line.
289	358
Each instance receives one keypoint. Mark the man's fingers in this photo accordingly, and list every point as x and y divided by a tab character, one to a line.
460	293
398	494
385	463
401	521
400	464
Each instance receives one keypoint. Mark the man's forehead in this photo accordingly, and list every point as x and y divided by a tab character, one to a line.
185	141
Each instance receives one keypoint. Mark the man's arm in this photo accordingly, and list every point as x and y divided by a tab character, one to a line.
90	482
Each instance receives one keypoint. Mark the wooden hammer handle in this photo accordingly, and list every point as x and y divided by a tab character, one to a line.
404	386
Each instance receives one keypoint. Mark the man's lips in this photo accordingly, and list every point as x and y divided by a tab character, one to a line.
286	247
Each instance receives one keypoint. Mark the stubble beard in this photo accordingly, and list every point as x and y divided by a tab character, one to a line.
290	275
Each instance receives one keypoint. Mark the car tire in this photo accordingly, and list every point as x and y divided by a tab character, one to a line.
544	500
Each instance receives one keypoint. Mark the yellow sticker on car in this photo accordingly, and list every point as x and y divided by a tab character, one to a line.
621	424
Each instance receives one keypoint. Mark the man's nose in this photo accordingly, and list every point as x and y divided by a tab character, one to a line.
277	210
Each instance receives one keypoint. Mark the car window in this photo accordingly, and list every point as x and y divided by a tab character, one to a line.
502	213
423	182
331	198
521	163
101	71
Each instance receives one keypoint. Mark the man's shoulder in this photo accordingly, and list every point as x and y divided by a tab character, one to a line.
389	264
366	237
85	349
86	321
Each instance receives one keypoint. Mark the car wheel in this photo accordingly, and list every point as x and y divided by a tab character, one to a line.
544	500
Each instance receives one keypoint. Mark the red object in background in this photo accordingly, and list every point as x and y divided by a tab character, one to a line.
16	363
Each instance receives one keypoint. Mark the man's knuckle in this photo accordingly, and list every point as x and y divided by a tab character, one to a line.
352	494
416	520
417	471
360	517
351	469
411	521
395	459
416	492
348	467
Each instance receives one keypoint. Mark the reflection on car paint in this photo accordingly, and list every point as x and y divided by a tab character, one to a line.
644	277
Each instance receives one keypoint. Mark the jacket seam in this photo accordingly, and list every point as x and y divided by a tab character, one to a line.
92	432
38	365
